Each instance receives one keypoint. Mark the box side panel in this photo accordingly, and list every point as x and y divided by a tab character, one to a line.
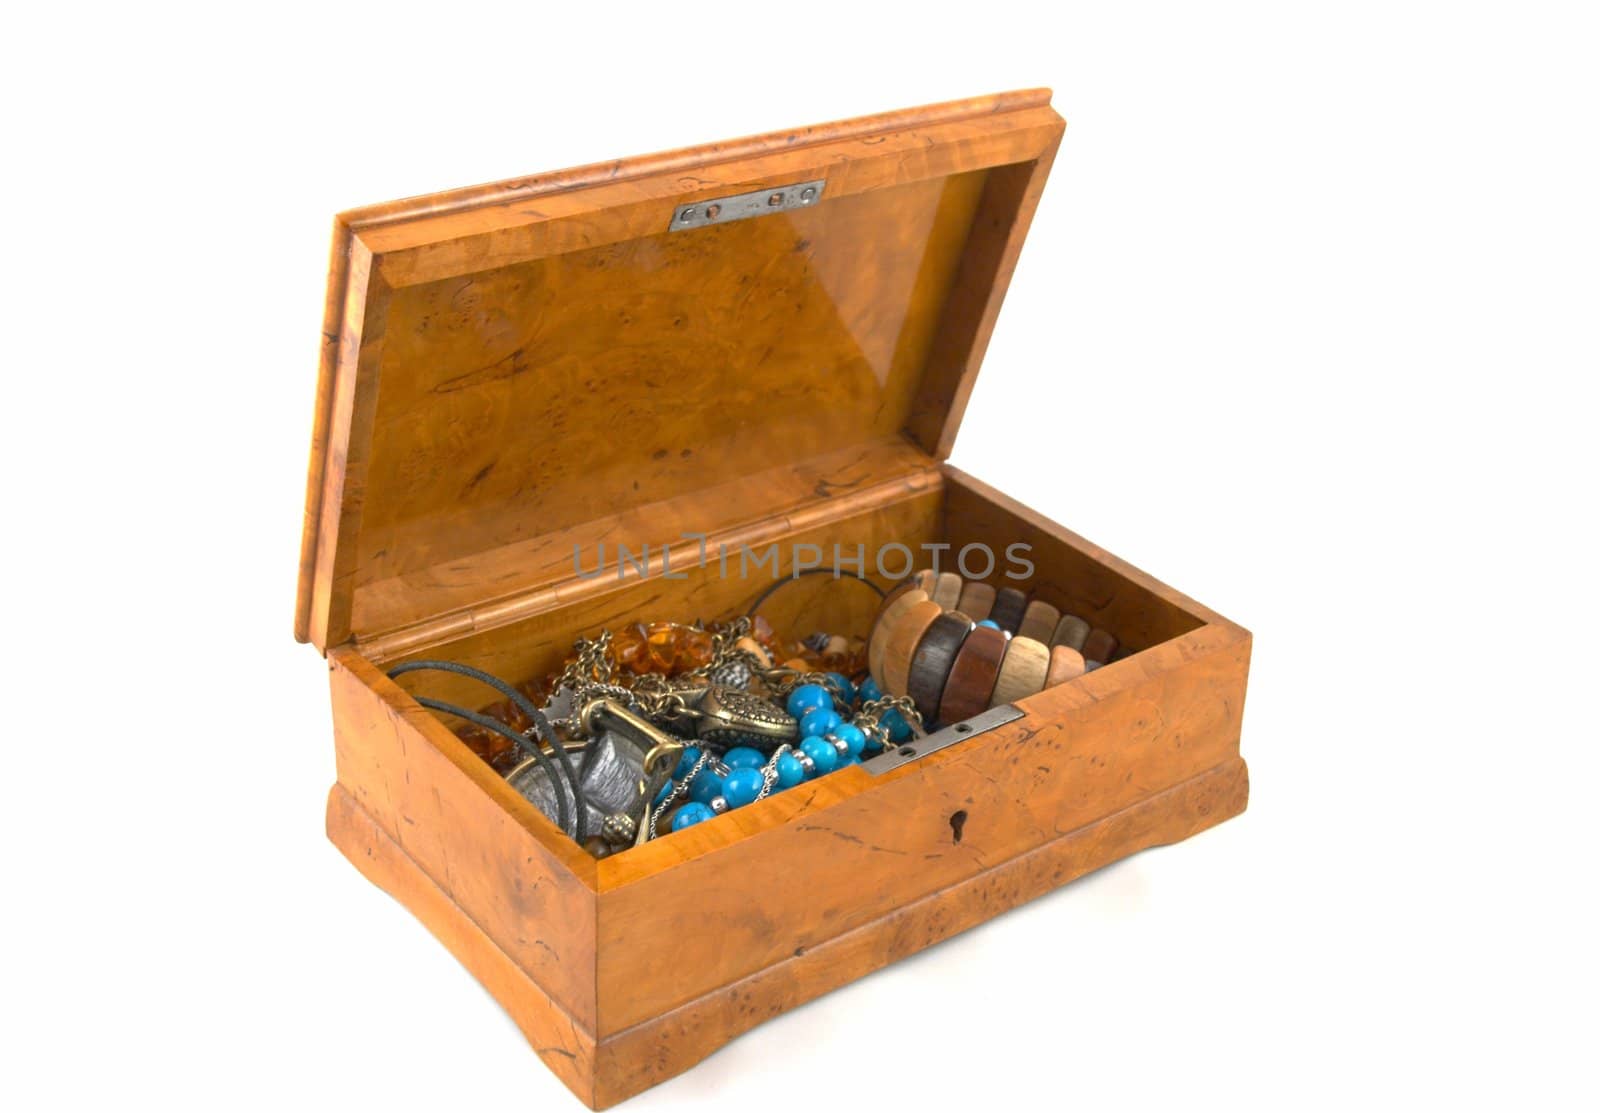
657	1049
1071	572
1083	751
565	1048
473	836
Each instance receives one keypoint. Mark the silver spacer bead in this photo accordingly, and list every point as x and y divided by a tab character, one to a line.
719	804
805	762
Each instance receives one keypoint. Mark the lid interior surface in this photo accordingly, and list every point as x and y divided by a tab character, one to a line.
516	384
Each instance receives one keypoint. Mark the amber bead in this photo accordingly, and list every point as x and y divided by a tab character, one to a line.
661	647
537	690
496	749
761	630
631	647
694	649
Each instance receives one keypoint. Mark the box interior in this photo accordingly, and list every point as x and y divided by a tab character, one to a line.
950	508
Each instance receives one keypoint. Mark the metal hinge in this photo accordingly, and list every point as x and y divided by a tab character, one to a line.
743	206
939	739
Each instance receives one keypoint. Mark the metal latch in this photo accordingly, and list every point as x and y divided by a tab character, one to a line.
939	739
743	206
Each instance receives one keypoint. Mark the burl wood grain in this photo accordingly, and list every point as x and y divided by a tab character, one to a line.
603	1073
539	643
1074	575
516	369
861	857
1085	749
471	334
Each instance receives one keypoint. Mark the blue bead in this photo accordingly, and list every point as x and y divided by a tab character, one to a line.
686	760
743	757
741	787
662	795
809	697
821	753
706	786
899	729
870	690
847	690
819	722
990	623
790	771
852	737
690	814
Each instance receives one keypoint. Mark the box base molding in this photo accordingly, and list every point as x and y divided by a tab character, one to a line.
605	1072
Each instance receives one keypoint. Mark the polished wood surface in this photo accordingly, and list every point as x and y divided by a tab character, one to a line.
1022	671
1010	605
1071	632
1130	732
1085	750
1100	646
973	675
604	1071
437	524
900	645
888	618
1066	664
1077	576
930	665
468	332
977	599
538	643
482	590
947	590
1039	621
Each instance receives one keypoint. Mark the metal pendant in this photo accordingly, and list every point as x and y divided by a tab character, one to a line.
611	769
729	717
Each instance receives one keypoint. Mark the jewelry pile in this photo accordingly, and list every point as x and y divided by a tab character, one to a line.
664	726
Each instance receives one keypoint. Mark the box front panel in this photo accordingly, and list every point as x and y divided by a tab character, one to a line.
1082	752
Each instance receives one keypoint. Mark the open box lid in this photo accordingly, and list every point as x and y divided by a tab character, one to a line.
684	343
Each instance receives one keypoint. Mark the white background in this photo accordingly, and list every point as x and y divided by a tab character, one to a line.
1306	326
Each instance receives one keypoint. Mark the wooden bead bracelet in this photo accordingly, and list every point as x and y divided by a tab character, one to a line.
956	648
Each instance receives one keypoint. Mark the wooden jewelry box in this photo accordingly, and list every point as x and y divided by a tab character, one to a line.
761	345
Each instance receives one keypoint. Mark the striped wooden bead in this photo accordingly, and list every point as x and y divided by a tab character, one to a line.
879	637
904	635
930	664
947	590
1022	672
1009	607
917	581
1070	632
977	598
1099	646
1039	621
973	675
1066	664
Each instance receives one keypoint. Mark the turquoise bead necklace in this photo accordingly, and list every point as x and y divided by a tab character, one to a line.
827	742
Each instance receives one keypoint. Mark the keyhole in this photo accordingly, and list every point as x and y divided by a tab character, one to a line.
958	821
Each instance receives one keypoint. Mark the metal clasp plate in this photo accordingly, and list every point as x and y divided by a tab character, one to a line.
743	206
938	740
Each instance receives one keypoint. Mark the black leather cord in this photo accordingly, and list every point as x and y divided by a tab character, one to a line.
563	811
541	729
